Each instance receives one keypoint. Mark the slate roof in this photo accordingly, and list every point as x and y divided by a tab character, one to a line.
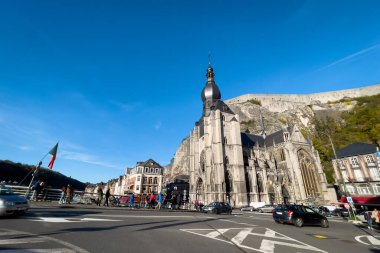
356	148
250	140
149	163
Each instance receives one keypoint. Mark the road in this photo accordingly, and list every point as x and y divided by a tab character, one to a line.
78	229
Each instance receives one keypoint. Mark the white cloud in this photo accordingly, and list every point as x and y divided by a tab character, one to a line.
24	148
87	158
126	106
350	57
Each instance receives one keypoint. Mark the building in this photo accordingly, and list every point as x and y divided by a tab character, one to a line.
145	178
358	164
226	164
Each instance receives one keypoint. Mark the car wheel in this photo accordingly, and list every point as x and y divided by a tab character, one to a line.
298	222
251	209
260	211
325	223
277	221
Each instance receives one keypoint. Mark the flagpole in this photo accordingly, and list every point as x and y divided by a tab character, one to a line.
35	173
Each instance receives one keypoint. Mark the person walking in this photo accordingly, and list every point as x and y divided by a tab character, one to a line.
100	196
375	216
69	193
152	200
63	195
159	201
132	201
108	194
368	217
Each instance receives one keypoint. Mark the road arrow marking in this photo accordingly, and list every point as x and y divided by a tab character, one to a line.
372	239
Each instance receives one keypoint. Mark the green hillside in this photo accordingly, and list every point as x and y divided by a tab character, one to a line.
10	172
361	124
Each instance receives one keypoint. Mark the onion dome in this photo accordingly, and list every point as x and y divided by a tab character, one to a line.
211	90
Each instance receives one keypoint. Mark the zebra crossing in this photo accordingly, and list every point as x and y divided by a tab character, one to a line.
12	241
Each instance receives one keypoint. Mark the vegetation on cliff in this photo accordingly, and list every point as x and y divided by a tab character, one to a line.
361	124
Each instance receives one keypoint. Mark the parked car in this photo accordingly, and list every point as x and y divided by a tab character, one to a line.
248	208
360	216
217	207
265	209
11	203
299	215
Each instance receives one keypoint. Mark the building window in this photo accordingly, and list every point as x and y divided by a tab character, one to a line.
341	164
155	180
144	180
350	189
144	189
150	189
137	187
146	169
155	189
151	170
138	178
363	189
376	188
358	175
369	159
354	162
374	173
282	155
156	171
150	180
344	175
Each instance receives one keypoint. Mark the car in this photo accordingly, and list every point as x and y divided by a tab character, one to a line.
299	215
11	203
265	209
217	208
248	208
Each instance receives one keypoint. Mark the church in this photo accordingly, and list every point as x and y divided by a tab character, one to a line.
226	164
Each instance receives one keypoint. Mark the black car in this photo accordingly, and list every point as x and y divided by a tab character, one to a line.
217	207
299	215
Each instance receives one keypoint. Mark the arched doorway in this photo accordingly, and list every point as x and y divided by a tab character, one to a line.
199	192
285	195
229	186
271	195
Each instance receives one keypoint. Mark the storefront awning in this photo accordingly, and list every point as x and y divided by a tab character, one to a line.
363	200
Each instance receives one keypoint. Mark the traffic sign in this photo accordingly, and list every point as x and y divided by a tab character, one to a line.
349	200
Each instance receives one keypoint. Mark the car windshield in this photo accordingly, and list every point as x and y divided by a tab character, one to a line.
5	191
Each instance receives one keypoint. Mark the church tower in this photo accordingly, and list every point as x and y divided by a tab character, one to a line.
216	157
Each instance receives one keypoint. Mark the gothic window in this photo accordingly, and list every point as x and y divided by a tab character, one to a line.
309	174
203	162
229	182
223	118
225	140
200	188
226	161
282	155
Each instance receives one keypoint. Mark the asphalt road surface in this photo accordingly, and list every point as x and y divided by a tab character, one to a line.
80	229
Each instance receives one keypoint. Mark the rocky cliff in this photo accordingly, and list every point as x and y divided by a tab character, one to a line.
278	111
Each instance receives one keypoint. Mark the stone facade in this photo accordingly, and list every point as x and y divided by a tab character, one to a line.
228	165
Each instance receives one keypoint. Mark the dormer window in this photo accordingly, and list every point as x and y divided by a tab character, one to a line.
369	159
354	161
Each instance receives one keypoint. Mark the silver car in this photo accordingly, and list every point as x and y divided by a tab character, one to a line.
265	209
11	203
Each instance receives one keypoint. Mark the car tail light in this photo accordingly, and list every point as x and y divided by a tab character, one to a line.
290	212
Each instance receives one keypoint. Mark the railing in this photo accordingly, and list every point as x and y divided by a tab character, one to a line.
47	194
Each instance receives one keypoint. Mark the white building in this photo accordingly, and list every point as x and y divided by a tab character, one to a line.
240	168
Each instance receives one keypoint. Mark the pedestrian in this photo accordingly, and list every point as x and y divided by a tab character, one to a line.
63	195
159	200
108	194
132	201
375	216
152	200
69	193
196	204
368	217
100	196
36	190
179	200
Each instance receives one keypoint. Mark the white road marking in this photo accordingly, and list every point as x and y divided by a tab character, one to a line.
95	219
54	219
268	243
372	239
40	238
240	223
55	250
20	241
139	216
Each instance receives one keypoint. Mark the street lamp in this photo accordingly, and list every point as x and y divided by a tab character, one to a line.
336	158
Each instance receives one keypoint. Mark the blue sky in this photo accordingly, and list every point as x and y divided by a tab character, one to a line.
118	82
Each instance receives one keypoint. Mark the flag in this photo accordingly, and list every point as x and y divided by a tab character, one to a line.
53	153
